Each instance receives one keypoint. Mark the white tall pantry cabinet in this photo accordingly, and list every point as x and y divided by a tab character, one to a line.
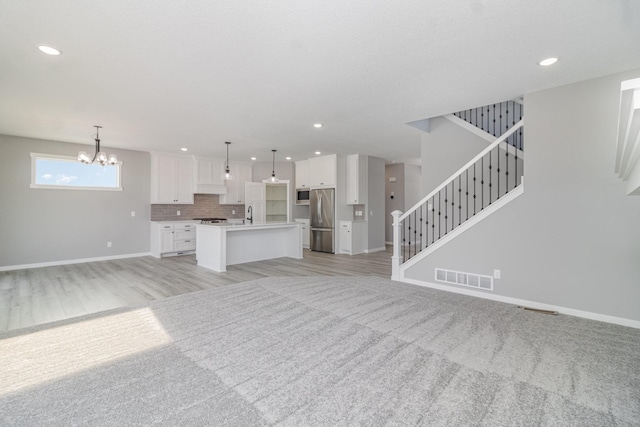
302	174
322	171
356	191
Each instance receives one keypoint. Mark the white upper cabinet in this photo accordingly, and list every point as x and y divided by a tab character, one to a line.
356	191
302	174
209	175
322	171
235	188
172	179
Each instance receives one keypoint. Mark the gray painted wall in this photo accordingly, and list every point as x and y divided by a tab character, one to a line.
41	226
406	190
445	149
413	191
375	203
397	203
573	238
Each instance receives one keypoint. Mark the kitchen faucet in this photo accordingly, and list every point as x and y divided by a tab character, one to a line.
250	210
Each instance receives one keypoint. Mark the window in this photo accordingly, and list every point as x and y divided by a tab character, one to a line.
67	173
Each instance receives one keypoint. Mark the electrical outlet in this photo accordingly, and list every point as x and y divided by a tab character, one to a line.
108	244
233	211
133	213
429	206
496	274
178	213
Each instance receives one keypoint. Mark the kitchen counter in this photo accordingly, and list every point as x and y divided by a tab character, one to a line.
219	245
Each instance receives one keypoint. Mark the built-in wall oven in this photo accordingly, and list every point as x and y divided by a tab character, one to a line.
302	196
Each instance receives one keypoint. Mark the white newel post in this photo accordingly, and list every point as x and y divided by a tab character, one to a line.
396	258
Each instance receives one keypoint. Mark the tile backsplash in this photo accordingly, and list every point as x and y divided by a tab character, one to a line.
204	206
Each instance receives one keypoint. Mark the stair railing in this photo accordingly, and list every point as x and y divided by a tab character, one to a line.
496	119
490	175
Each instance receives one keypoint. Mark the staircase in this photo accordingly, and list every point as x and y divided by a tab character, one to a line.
484	184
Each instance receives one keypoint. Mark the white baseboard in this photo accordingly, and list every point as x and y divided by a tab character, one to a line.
368	251
526	303
71	261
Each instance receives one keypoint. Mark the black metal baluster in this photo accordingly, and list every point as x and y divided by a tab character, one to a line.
498	169
494	120
490	179
459	199
506	160
409	230
415	233
500	121
453	204
421	239
402	245
433	219
446	210
474	188
439	214
426	227
482	183
466	189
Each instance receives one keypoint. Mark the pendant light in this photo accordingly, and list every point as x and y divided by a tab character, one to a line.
273	170
100	156
227	172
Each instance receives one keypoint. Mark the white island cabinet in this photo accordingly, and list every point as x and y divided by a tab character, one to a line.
219	245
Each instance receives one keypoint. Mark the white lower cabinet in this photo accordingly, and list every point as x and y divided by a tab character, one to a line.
352	238
172	238
306	232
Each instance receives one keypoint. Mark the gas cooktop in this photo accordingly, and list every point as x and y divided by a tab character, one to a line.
210	220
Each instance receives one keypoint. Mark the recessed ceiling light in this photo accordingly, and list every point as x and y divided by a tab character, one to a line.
184	149
49	50
548	61
288	158
253	158
318	153
317	125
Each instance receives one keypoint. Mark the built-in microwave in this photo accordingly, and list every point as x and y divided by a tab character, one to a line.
302	196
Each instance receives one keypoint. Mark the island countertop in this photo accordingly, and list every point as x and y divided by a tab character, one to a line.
222	244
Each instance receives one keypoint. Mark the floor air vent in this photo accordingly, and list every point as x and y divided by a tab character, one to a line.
464	279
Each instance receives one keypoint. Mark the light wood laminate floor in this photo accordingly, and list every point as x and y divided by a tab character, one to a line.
42	295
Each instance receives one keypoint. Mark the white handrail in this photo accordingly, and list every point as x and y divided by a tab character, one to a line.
464	168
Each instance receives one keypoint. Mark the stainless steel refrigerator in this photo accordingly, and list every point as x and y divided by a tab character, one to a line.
322	219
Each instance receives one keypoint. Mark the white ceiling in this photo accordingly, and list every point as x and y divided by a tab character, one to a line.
165	74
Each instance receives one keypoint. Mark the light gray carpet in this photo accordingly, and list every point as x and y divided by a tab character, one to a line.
322	351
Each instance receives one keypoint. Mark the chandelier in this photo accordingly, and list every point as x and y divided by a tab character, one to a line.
100	156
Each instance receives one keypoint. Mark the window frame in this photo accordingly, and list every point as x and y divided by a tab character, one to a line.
42	156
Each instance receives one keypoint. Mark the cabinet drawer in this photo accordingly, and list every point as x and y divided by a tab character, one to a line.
184	226
185	245
184	234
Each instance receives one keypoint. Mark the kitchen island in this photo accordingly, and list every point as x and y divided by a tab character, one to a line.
219	245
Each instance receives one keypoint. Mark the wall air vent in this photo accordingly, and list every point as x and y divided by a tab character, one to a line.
464	279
